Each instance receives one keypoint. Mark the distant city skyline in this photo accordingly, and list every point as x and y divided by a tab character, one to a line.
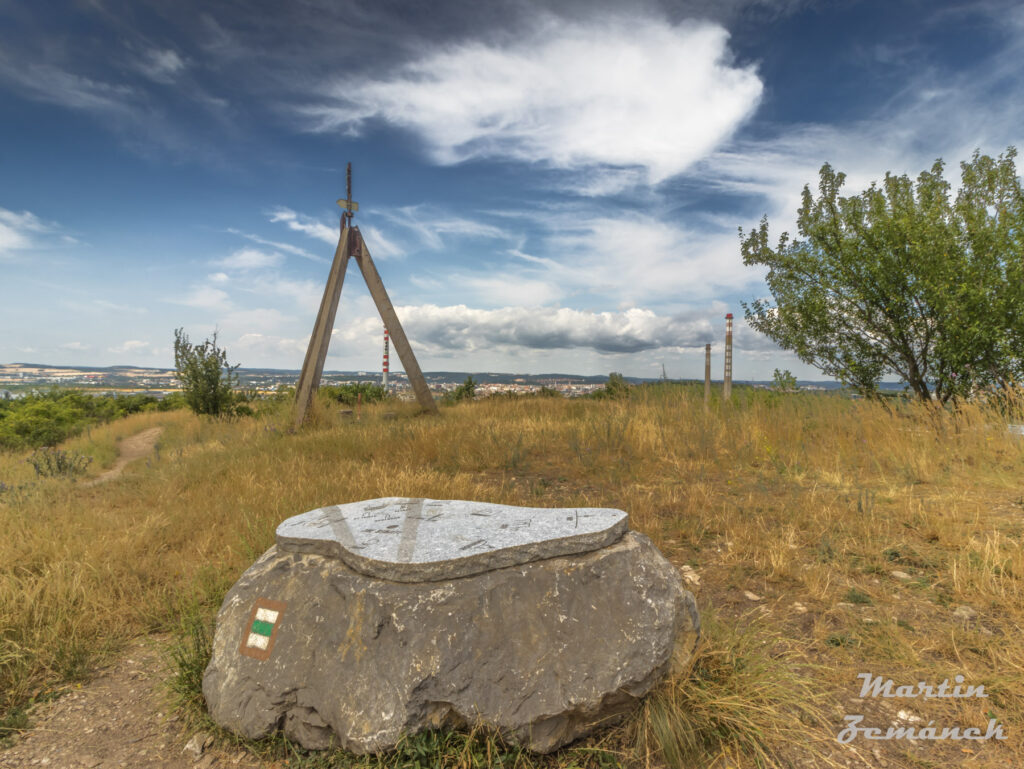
545	186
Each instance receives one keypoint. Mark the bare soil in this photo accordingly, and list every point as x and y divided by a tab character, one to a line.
118	719
130	449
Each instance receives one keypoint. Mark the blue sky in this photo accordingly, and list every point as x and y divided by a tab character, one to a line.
545	186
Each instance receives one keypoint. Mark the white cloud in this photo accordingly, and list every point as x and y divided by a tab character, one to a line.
380	245
162	66
129	345
218	277
431	226
286	247
265	344
621	92
641	259
263	319
250	259
508	289
206	298
17	230
467	329
306	225
56	86
76	346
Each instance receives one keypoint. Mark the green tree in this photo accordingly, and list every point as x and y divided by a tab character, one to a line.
465	391
207	380
784	382
902	280
616	387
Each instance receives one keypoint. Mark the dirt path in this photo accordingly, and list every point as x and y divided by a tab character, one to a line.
118	719
132	448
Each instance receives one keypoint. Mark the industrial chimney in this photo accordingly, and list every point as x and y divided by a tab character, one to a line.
727	384
384	379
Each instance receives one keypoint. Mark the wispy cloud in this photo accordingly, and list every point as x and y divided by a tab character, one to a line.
288	248
51	84
129	345
206	298
250	259
431	226
161	65
569	95
307	225
19	232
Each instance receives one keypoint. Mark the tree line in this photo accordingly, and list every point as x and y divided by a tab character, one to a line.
47	418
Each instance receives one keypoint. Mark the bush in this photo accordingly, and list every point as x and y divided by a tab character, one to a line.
207	380
349	393
46	419
49	462
615	388
464	392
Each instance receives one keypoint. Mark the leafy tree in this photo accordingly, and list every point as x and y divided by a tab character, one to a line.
616	387
465	391
902	280
206	378
784	382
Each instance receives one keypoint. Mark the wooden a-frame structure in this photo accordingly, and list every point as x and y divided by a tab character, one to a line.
351	243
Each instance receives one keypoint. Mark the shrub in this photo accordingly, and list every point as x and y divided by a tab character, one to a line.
615	388
207	380
349	393
49	462
464	392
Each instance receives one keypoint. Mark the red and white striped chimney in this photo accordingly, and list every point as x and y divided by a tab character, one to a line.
384	379
727	382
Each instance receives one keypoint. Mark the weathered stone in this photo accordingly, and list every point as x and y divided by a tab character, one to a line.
543	652
416	540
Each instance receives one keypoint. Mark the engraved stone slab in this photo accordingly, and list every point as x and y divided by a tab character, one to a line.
425	540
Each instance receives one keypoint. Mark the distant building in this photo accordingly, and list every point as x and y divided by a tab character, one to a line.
6	395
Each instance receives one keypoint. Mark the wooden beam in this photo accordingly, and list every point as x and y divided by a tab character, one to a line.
319	341
390	318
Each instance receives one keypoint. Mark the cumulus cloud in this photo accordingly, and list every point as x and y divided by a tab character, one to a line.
76	346
570	95
467	329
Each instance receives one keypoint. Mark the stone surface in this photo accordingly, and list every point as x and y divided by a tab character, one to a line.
416	540
543	652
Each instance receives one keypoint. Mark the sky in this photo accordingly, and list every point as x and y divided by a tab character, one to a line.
544	186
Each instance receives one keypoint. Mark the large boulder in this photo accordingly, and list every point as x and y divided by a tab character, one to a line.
542	651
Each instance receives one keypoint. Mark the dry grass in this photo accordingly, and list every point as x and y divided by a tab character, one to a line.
808	503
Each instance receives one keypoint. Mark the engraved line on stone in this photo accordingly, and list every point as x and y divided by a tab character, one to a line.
410	531
473	544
